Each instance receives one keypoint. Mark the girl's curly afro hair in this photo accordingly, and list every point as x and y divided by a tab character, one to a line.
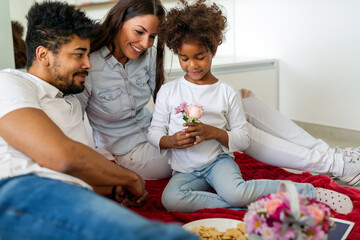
198	21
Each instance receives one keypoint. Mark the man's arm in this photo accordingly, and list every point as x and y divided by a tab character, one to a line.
32	132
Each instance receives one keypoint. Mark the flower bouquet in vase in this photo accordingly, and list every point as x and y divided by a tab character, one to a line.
287	215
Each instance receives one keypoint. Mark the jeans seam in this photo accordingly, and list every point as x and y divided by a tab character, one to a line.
199	193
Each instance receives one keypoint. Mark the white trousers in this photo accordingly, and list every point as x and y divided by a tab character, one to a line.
274	139
147	161
278	141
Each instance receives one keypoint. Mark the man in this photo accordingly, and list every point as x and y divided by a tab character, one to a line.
46	170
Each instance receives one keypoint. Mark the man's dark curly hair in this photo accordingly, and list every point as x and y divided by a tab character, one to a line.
198	21
52	24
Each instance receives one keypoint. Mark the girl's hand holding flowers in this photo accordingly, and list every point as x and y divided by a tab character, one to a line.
197	132
200	131
180	140
191	114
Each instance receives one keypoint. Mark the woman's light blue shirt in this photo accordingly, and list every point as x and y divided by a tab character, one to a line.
115	98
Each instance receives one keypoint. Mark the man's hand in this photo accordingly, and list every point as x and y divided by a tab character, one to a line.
121	195
136	192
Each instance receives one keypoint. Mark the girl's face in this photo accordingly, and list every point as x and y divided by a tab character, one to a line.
195	60
136	35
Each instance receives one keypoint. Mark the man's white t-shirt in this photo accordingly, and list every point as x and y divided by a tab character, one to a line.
23	90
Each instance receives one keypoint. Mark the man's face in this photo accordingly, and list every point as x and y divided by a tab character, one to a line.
70	65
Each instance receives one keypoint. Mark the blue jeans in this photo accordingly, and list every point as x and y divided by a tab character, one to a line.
33	207
187	192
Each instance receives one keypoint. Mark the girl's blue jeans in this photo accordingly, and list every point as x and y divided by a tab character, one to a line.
33	207
187	192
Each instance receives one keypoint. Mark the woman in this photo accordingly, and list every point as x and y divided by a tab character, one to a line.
127	70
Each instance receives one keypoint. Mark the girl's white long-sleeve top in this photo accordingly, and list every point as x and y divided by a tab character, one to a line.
222	109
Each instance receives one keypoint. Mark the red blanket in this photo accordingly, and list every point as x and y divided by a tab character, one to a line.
250	169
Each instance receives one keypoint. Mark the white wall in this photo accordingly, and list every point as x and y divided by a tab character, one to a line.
317	43
6	45
18	11
318	47
225	50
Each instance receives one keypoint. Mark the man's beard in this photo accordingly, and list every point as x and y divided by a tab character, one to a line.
65	85
71	87
68	86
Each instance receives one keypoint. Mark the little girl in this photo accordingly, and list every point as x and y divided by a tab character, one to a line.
201	152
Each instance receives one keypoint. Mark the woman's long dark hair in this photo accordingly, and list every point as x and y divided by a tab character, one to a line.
123	11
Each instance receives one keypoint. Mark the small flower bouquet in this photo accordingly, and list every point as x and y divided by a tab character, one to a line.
191	113
287	215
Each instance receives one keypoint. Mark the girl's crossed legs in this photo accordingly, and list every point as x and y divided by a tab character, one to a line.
187	192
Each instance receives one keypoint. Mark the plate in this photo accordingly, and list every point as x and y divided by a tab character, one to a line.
221	224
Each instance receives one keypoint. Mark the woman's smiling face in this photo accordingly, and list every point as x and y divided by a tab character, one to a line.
136	35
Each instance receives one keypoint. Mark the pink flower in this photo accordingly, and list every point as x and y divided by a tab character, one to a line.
272	205
267	233
190	113
316	213
194	111
315	233
254	224
181	107
287	235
